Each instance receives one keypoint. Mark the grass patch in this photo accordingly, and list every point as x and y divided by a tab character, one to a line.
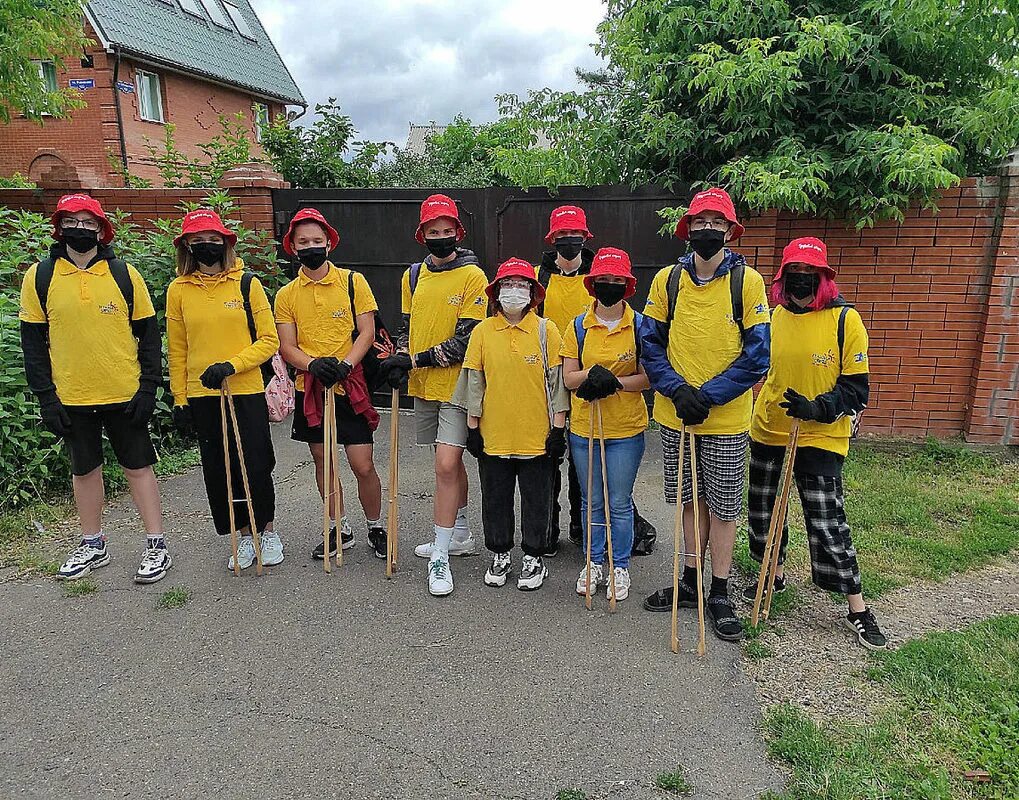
80	588
177	461
674	782
571	794
918	512
174	598
955	709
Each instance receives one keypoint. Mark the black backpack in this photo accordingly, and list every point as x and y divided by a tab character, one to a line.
266	367
382	347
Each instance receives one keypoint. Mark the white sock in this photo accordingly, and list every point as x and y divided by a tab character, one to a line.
461	526
373	523
443	536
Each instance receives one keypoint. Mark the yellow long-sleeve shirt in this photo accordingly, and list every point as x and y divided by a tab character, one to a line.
206	324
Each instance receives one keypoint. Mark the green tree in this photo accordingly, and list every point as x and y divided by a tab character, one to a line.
826	106
33	31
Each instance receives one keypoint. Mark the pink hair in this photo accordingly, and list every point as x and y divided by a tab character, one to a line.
827	291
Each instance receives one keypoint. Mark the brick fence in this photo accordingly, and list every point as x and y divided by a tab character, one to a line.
939	293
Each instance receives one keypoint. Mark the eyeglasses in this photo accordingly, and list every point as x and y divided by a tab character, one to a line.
510	283
85	224
713	224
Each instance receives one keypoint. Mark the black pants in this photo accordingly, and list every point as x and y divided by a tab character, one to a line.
499	479
259	457
572	492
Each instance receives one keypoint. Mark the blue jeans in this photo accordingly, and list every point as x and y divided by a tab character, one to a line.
622	458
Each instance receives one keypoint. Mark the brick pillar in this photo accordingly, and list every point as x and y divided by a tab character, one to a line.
250	186
994	402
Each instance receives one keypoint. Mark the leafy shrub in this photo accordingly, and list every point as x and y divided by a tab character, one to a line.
32	461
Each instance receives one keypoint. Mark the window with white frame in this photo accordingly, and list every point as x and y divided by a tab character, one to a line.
261	119
150	97
48	75
242	24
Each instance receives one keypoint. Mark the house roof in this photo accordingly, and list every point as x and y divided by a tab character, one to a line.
204	41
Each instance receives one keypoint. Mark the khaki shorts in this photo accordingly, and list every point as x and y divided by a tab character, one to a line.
440	423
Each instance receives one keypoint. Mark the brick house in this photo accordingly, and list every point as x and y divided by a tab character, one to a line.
152	62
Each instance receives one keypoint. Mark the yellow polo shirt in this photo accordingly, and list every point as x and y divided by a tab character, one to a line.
93	352
624	414
704	340
566	298
440	300
514	412
206	324
321	312
805	357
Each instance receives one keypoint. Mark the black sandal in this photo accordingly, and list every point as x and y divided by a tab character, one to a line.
725	623
662	599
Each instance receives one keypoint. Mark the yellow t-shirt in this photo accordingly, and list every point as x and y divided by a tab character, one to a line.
206	324
805	357
440	300
93	352
566	297
624	414
514	412
321	312
704	340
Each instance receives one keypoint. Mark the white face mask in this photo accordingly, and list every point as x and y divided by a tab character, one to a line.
514	298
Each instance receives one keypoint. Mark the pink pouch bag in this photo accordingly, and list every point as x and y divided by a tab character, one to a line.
279	391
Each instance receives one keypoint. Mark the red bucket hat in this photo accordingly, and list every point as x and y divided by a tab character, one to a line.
611	261
309	215
714	199
806	250
71	204
567	218
517	268
439	205
201	220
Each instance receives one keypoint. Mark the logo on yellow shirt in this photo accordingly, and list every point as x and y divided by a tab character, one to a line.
531	359
859	358
231	304
479	301
340	313
109	308
823	359
761	308
454	299
629	355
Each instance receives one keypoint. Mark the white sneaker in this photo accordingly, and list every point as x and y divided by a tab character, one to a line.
440	579
597	579
156	562
622	579
457	547
245	553
83	559
499	570
532	574
272	549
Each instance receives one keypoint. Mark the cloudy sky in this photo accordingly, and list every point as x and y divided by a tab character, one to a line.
392	62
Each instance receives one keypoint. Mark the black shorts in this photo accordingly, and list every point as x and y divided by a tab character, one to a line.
351	427
131	443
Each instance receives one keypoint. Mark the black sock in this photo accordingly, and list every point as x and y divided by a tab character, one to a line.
855	615
690	576
719	587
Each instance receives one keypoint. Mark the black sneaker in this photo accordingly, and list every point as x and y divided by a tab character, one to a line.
320	547
577	534
532	574
552	548
750	592
868	634
499	570
377	539
723	619
662	599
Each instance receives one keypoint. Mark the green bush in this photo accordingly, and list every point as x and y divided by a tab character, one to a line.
33	464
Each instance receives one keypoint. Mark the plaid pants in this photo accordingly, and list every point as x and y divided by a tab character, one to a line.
833	563
721	469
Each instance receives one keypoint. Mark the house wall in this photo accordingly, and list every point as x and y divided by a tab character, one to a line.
89	138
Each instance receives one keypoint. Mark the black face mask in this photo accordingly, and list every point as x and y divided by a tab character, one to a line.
80	240
569	247
801	285
707	242
608	294
441	248
208	253
312	257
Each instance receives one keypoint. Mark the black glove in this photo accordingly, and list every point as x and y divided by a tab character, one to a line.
475	442
599	383
555	443
396	368
183	420
326	369
54	415
798	406
141	407
345	369
214	376
691	405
